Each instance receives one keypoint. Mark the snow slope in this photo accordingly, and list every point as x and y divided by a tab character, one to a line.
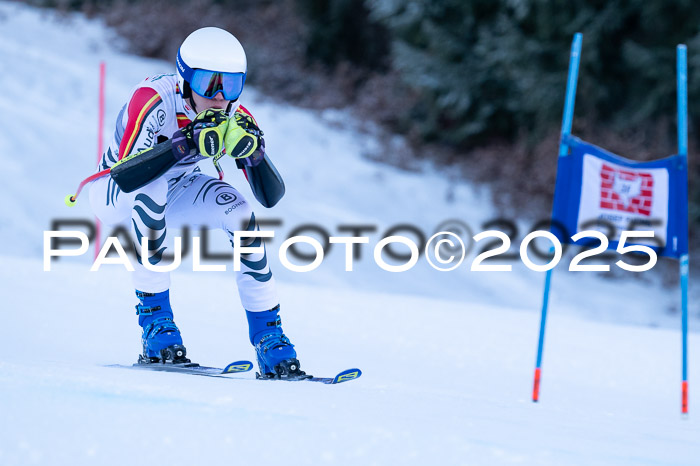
447	357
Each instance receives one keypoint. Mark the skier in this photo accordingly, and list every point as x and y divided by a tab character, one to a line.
170	124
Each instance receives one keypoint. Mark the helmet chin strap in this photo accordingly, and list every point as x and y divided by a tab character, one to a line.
194	107
186	93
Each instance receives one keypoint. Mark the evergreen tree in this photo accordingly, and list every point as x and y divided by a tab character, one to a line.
492	68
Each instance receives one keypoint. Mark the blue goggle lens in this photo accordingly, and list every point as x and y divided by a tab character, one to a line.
208	83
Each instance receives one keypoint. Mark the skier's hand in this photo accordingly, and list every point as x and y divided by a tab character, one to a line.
204	135
244	140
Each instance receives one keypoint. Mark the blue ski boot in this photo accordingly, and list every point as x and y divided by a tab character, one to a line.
276	356
161	338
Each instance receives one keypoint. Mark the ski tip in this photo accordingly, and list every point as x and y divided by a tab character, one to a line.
347	375
238	366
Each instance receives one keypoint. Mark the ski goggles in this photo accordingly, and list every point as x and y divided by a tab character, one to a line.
208	83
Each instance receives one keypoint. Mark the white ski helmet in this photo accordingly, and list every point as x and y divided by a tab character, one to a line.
209	61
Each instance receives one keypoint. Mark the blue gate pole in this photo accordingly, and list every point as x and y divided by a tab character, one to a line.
571	82
540	343
567	122
682	94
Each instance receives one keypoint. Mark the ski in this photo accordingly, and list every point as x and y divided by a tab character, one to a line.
344	376
191	368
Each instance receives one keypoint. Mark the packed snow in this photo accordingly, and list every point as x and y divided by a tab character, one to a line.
447	357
